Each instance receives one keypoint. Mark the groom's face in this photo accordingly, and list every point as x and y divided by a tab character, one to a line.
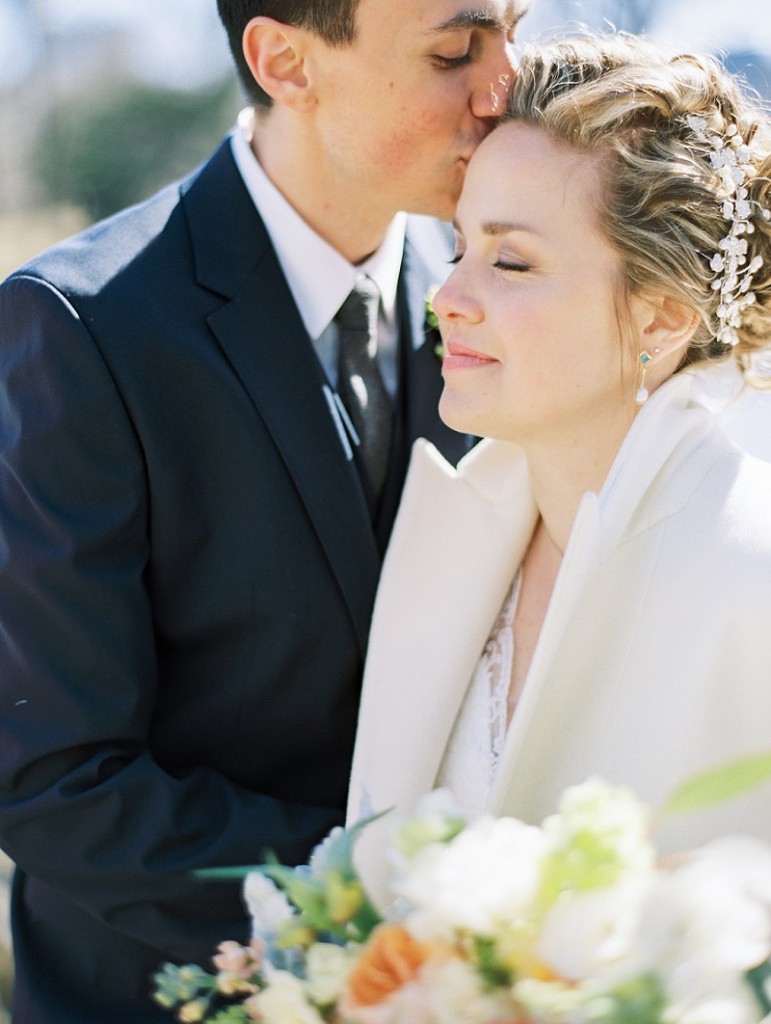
401	109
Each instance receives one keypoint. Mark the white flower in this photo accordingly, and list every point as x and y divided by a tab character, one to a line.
551	1000
743	861
700	932
698	126
599	807
600	834
448	992
484	878
456	995
268	907
436	819
284	1002
739	1008
590	934
328	966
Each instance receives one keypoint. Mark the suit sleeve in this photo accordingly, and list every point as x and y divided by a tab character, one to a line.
83	805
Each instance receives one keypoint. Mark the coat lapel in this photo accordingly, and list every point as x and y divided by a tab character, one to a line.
260	331
443	584
564	686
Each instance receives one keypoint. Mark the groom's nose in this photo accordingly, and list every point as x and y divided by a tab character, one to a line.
496	77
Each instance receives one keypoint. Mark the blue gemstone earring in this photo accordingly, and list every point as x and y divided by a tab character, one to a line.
641	397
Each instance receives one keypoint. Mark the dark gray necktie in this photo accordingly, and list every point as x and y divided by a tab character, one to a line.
359	382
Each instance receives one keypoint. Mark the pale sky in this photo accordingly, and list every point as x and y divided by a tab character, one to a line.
180	42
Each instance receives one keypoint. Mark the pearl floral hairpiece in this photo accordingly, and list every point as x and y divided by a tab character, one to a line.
730	157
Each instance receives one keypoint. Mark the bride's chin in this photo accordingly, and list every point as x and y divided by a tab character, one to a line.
454	416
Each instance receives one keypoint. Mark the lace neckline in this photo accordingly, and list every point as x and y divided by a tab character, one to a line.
476	743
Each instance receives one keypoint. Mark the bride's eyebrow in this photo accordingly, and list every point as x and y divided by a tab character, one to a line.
495	228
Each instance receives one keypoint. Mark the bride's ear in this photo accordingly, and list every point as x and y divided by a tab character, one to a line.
667	325
276	56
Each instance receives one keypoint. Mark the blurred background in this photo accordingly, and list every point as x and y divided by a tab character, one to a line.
103	101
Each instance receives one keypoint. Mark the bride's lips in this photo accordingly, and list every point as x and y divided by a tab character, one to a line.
461	357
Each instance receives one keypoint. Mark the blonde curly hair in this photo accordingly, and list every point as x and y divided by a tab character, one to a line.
660	206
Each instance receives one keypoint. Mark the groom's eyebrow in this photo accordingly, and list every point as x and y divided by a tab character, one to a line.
484	18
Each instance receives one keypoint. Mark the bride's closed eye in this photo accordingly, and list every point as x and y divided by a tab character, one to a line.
516	267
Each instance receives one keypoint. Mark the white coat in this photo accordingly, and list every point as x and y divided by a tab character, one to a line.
654	660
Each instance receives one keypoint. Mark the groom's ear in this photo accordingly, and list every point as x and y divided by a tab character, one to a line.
276	55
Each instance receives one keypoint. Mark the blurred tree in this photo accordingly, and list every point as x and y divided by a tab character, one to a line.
116	149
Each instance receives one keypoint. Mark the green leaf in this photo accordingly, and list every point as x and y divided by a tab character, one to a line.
225	874
719	784
760	980
335	853
494	973
639	1001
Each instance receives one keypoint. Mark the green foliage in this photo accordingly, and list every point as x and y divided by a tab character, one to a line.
589	862
760	982
493	973
232	1015
174	985
724	783
121	146
180	987
641	1001
424	830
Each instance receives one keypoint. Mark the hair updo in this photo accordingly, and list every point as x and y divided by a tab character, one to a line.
660	200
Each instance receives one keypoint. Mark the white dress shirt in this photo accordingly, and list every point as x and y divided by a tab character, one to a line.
319	278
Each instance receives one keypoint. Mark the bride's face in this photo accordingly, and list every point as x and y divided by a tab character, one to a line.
531	331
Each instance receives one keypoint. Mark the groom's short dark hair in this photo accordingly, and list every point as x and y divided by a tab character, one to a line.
332	20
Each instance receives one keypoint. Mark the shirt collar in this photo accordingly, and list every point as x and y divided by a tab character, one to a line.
319	278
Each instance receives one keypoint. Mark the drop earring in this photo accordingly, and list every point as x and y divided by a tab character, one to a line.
641	397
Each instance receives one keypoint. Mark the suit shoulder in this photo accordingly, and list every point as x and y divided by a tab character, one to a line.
85	264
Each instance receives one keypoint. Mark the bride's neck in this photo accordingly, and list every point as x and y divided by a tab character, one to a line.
559	479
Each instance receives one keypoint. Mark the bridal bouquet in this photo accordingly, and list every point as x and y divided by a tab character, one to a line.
499	922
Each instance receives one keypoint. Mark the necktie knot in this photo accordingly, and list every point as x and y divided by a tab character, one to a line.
359	312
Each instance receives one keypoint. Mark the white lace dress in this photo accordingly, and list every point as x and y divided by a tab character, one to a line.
476	742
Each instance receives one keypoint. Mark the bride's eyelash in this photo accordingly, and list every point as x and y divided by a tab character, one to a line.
502	265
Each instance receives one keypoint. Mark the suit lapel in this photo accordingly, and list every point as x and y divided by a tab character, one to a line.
427	253
260	331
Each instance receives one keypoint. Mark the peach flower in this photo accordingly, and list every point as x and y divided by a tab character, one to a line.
390	960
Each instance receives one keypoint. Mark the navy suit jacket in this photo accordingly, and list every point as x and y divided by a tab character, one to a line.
187	570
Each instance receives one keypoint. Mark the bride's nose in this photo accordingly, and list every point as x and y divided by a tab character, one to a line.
454	301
